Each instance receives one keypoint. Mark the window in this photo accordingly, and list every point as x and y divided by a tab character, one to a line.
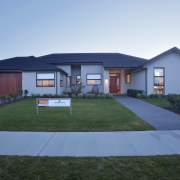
68	81
158	80
61	80
78	80
61	83
45	80
93	79
128	78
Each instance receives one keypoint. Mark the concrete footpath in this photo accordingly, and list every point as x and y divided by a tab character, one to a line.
159	118
88	144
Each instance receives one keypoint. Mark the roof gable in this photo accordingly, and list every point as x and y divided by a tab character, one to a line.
172	50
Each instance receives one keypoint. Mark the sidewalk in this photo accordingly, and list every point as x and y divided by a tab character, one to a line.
159	118
88	144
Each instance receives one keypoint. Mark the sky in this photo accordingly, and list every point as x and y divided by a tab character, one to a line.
142	28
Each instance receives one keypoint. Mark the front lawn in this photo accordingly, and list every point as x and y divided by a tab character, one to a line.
45	168
88	115
162	102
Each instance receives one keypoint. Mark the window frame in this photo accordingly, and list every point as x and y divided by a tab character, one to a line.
44	79
93	79
163	77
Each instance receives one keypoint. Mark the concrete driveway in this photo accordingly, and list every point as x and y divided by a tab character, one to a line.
159	118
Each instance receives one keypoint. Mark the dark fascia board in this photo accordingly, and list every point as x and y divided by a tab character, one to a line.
45	70
174	49
109	68
10	70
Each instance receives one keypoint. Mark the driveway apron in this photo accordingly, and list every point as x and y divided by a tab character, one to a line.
158	117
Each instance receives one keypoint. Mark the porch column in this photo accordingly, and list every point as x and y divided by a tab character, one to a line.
122	81
106	81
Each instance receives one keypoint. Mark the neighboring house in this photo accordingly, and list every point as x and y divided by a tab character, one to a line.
112	72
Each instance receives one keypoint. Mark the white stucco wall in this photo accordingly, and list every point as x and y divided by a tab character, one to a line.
106	81
171	64
92	69
29	83
138	81
66	68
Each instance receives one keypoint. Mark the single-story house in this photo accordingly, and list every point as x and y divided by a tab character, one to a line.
111	72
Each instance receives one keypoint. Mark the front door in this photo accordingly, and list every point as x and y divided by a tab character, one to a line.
114	84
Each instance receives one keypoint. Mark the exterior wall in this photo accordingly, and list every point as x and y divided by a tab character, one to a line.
66	68
171	64
138	81
91	69
106	81
29	83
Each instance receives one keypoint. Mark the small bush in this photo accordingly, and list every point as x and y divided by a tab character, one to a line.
139	96
80	95
73	95
35	95
153	96
134	92
109	96
64	96
174	100
101	96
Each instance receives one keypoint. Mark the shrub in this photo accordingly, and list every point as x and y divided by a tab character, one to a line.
134	92
101	96
90	96
47	95
55	96
80	95
109	96
35	95
139	95
73	95
174	100
26	92
153	96
64	96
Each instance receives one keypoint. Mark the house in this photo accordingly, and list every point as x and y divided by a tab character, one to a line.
111	72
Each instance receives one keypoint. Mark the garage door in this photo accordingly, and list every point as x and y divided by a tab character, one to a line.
10	83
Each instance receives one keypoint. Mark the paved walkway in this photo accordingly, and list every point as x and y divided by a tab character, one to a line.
88	144
158	117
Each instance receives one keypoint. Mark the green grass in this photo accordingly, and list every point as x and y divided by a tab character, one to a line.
88	115
162	102
47	168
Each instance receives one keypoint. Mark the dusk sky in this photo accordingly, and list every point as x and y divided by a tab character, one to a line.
143	28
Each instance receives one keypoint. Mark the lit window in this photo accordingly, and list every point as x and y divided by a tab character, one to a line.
158	80
93	79
128	78
45	80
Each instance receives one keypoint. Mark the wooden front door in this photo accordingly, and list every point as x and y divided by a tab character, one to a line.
114	84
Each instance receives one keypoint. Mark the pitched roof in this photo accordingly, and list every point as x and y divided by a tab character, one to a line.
109	60
26	64
48	62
